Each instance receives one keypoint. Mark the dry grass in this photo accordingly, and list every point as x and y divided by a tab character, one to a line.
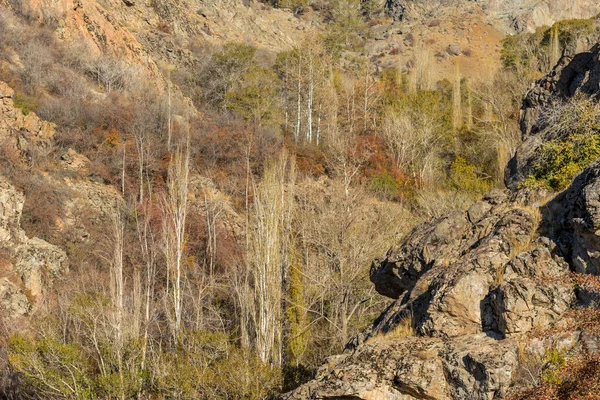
533	211
530	367
499	277
518	245
404	328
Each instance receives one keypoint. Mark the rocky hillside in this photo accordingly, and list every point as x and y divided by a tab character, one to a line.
72	203
29	266
514	15
482	296
162	35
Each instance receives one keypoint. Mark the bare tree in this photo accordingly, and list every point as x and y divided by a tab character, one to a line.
339	234
174	214
267	255
117	294
499	124
457	115
414	139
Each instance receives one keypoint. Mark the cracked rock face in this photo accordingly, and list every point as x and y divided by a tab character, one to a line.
30	265
22	134
472	284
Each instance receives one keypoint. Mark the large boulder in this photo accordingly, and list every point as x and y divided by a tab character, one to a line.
444	270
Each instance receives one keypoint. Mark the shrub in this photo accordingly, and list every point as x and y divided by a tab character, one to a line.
573	129
25	103
560	160
385	186
255	96
50	368
464	177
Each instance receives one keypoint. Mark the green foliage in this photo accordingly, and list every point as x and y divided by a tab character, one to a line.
530	52
25	103
385	186
204	365
571	30
348	30
255	95
296	345
234	57
52	368
208	366
554	361
464	177
573	129
560	160
392	86
222	72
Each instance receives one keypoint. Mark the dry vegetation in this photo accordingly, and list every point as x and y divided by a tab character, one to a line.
313	164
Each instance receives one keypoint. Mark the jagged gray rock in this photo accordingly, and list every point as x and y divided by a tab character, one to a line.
472	284
575	213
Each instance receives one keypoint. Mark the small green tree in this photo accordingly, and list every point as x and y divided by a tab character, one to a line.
348	30
255	96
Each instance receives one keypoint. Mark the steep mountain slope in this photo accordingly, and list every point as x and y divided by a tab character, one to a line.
160	35
481	296
147	33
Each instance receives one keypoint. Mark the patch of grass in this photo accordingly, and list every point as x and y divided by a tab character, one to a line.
26	104
404	328
555	360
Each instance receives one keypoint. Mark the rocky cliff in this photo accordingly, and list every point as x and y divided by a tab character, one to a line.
482	296
28	266
515	15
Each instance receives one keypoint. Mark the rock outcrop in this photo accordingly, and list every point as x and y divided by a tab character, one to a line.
29	266
480	293
574	74
22	135
470	286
